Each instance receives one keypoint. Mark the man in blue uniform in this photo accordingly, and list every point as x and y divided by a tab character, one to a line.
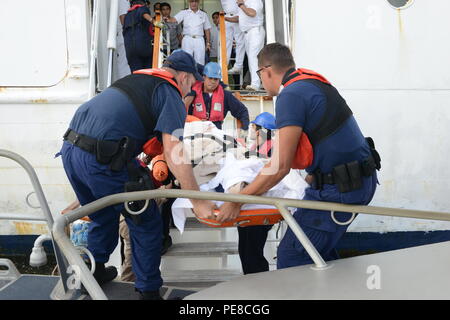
138	37
344	163
209	101
103	139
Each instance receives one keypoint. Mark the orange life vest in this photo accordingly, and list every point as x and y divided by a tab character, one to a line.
304	154
160	73
198	106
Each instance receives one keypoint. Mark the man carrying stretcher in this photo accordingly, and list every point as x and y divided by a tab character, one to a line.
344	163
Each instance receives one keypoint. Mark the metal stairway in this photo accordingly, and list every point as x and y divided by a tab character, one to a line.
199	250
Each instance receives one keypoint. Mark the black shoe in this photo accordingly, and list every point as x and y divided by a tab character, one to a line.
167	243
104	275
149	295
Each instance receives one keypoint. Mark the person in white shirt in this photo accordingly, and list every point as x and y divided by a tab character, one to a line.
251	20
233	32
215	33
196	25
122	68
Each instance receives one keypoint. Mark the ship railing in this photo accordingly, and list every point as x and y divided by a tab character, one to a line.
72	256
158	43
222	48
43	205
111	44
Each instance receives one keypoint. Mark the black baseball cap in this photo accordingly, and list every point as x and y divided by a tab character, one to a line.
182	61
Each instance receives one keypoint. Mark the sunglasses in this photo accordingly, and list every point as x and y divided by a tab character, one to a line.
258	72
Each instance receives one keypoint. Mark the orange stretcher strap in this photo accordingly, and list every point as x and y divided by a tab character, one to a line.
247	218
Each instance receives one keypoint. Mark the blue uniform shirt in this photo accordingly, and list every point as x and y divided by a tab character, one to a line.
141	29
303	104
111	115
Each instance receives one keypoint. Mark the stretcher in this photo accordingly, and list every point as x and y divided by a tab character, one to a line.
246	218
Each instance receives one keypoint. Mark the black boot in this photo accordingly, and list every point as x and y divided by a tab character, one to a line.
149	295
104	275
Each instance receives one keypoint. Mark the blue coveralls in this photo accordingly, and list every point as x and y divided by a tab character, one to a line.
110	116
303	104
137	39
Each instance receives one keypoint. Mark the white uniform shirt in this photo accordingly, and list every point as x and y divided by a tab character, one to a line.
230	7
194	23
246	22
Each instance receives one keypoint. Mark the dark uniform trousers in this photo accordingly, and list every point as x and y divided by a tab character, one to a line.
251	248
318	226
91	181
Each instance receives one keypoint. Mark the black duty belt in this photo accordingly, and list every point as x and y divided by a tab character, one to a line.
114	153
348	176
83	142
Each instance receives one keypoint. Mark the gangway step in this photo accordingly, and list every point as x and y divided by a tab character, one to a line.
195	278
203	249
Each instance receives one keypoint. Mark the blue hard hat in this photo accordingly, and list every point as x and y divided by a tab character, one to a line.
265	120
182	61
212	70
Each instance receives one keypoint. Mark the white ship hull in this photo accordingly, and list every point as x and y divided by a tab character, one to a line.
391	66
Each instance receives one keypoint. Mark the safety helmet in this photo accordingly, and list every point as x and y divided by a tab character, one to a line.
265	120
212	70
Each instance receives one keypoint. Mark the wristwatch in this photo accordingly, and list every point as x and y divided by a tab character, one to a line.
240	4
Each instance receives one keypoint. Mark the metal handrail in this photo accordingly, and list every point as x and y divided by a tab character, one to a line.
281	203
62	264
93	50
112	34
157	61
222	50
34	181
65	246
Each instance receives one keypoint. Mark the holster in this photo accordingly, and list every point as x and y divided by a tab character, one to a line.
349	176
106	150
127	146
374	152
342	178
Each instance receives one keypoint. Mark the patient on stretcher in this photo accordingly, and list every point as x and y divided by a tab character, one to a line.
220	164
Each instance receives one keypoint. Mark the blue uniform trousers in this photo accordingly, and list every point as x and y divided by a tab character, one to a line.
139	52
91	181
318	226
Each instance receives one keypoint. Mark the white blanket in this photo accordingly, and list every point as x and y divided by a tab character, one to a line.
234	171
